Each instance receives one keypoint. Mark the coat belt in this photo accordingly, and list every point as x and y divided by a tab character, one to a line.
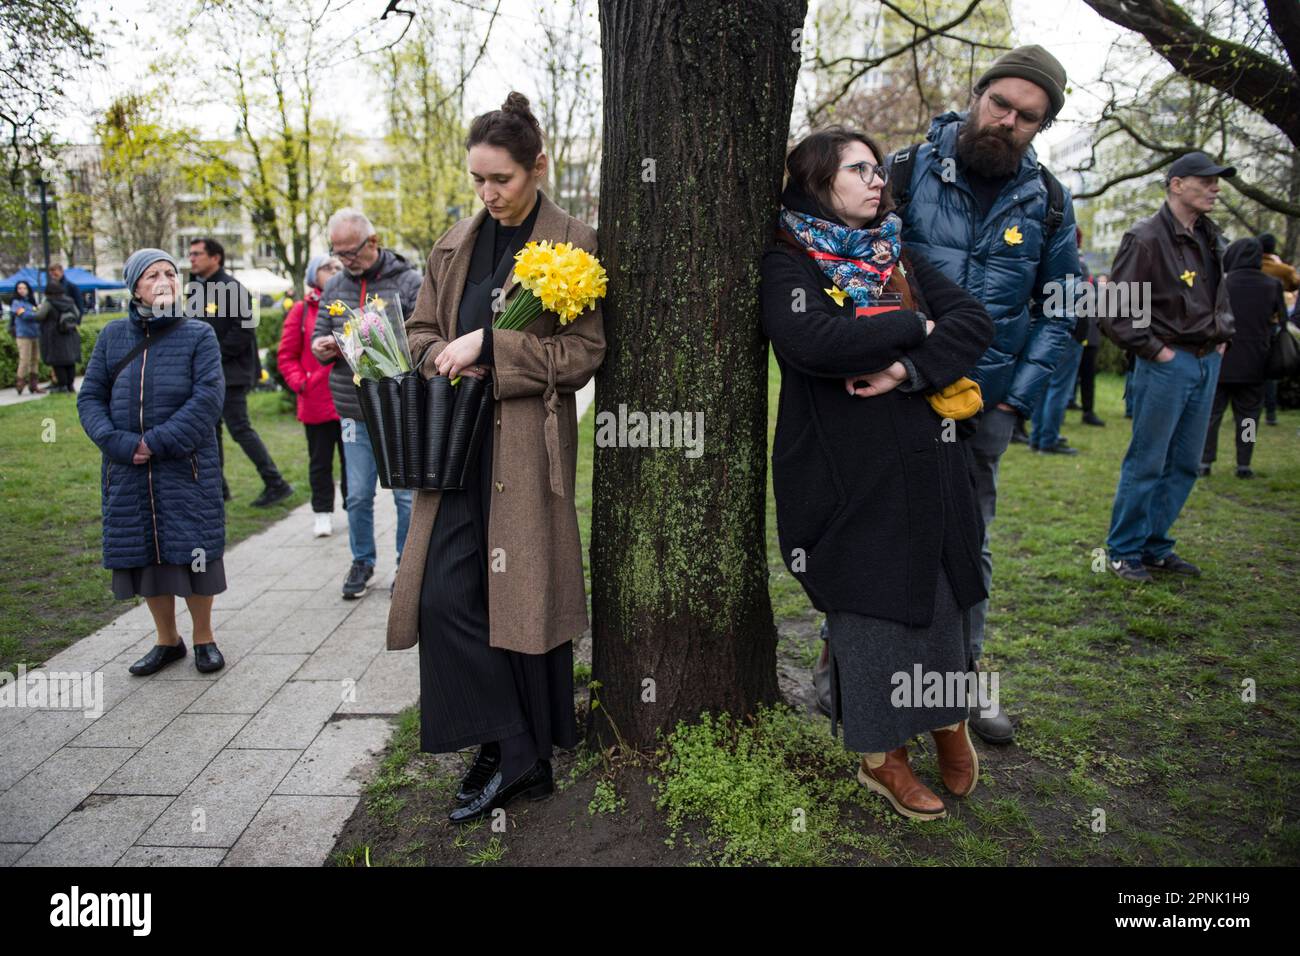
551	429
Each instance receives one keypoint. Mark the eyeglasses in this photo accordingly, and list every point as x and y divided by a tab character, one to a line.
868	171
999	108
348	256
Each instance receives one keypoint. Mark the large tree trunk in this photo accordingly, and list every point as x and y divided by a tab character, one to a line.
696	114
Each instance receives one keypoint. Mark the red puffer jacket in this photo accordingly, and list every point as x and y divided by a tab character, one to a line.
306	376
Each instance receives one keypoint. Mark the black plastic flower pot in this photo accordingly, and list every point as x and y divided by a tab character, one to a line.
439	398
481	423
410	388
369	399
464	417
390	417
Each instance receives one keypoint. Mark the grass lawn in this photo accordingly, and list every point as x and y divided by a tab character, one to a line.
53	587
1134	744
1128	699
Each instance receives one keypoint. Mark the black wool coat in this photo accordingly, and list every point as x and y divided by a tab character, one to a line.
870	497
1258	308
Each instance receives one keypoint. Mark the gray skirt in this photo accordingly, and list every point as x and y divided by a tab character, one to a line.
874	679
158	580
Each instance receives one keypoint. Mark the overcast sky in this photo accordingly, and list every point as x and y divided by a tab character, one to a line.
1069	28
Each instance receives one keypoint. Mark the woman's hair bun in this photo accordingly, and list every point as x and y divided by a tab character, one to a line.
516	103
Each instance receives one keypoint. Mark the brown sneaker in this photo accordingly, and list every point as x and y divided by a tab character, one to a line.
959	764
894	780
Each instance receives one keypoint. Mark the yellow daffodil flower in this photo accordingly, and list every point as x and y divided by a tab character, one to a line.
210	308
1189	276
1012	236
337	308
836	293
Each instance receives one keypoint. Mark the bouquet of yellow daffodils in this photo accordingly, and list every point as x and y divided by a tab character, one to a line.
559	278
373	339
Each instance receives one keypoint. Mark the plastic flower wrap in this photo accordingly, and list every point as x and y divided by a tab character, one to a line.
559	278
373	338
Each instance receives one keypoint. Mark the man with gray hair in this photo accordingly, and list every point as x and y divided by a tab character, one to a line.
368	270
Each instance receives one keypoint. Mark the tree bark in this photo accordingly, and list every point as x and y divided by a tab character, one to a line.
697	102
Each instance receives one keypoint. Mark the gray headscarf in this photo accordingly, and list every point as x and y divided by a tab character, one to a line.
315	263
135	267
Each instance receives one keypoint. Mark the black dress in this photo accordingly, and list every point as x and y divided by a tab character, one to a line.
472	693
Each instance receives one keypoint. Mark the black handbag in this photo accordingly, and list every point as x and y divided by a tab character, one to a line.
1283	355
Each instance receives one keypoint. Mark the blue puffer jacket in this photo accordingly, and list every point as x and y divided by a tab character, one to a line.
942	223
161	511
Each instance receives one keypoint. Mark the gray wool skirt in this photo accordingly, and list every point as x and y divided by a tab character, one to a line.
874	664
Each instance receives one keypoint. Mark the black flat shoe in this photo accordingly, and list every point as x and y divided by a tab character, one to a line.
535	784
485	765
207	658
159	656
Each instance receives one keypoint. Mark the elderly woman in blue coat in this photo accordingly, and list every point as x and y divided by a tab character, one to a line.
150	400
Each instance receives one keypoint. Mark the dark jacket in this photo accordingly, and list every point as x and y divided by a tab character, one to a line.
171	395
227	306
391	277
1013	279
1156	251
60	340
1258	308
867	488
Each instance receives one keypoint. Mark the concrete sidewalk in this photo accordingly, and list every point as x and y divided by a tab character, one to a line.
259	764
9	395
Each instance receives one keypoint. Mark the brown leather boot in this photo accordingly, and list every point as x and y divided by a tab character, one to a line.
959	764
34	384
894	780
19	385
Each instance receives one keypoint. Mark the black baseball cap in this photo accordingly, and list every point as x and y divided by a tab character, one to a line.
1197	164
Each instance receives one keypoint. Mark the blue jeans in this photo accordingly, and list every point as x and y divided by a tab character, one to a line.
1050	413
1171	411
363	477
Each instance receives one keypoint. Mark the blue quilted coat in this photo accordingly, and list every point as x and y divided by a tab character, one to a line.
161	511
1004	260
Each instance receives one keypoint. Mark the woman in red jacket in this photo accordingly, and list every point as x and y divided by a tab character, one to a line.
310	381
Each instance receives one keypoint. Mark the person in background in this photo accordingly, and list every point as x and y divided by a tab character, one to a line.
1273	265
1049	413
150	401
1179	341
1258	311
26	329
981	208
368	270
60	339
1087	382
228	308
309	380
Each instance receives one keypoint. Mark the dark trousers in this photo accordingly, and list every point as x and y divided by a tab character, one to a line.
64	375
322	439
235	414
1247	399
1270	398
1088	376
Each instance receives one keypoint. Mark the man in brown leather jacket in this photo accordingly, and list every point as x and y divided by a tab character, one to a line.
1179	340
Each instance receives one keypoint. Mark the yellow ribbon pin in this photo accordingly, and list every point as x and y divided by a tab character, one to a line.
1012	236
836	293
1189	276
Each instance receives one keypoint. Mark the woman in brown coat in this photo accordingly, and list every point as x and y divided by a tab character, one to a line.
490	584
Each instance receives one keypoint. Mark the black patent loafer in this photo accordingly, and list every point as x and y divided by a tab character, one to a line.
485	765
159	656
207	658
535	784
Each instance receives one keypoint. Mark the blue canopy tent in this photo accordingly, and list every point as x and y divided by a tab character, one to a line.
84	281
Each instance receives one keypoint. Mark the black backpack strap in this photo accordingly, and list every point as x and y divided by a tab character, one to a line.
1055	201
140	346
900	176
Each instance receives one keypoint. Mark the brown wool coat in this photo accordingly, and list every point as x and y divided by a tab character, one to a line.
536	599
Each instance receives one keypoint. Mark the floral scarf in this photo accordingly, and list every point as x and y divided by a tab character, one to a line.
859	261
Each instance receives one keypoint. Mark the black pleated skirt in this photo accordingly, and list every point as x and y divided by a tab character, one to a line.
471	692
159	580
